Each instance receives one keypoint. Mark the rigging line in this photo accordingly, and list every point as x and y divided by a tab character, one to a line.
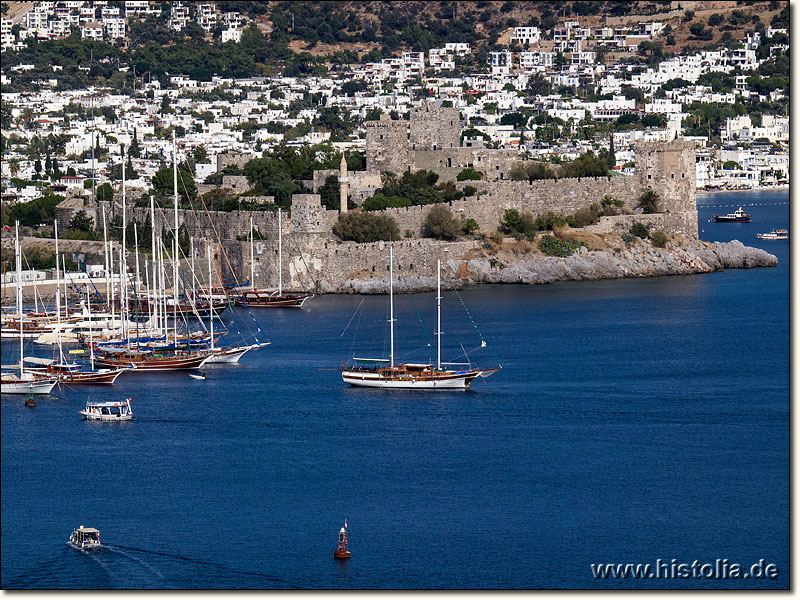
224	333
230	267
355	332
421	324
474	324
314	281
83	265
351	318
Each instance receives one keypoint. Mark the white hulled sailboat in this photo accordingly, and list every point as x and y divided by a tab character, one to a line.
416	376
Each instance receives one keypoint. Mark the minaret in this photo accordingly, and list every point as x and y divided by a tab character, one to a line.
343	185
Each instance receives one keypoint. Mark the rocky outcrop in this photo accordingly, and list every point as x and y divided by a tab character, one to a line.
636	259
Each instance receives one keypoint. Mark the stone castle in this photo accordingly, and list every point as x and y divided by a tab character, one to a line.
431	140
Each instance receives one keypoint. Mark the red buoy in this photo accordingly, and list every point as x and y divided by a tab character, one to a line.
342	551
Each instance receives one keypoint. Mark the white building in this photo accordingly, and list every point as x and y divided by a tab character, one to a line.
231	34
526	35
92	31
500	62
6	37
206	16
179	18
536	60
114	28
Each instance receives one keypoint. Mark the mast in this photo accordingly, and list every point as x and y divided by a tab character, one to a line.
123	295
191	252
19	297
91	344
252	264
108	268
122	302
154	295
111	271
438	315
175	237
280	256
210	296
136	282
58	296
391	307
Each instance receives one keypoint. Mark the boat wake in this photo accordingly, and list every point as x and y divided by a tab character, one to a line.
223	568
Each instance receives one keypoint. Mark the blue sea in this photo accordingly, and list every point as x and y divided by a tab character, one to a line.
633	421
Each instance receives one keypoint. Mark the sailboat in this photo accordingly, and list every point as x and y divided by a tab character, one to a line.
266	298
225	355
70	372
416	376
24	383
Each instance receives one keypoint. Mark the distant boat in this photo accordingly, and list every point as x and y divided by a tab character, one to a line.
107	411
775	234
84	538
200	376
738	216
271	298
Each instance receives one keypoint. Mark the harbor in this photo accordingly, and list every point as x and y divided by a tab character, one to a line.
585	418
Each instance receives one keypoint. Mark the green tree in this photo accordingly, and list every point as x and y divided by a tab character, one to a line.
104	193
518	224
649	201
80	221
441	224
163	184
366	227
468	174
329	193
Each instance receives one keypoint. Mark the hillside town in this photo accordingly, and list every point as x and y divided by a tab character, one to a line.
547	96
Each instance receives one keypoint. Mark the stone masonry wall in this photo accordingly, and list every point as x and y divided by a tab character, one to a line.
563	197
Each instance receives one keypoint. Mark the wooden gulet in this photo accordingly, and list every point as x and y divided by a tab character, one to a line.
412	375
269	299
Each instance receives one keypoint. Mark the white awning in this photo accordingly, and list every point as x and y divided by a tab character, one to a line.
38	361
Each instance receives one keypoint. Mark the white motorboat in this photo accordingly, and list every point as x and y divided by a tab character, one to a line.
107	411
84	538
775	234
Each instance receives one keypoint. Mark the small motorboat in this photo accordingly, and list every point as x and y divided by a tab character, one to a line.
737	216
107	411
84	538
200	376
775	234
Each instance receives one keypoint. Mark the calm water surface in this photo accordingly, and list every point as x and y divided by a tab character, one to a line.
633	420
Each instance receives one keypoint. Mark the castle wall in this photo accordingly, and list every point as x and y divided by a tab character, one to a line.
562	197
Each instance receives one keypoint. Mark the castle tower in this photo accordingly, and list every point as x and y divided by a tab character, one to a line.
387	145
669	169
434	127
343	185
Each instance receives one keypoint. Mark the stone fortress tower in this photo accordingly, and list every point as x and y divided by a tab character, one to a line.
434	128
669	169
387	145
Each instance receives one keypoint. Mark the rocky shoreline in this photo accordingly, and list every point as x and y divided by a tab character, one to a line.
637	259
